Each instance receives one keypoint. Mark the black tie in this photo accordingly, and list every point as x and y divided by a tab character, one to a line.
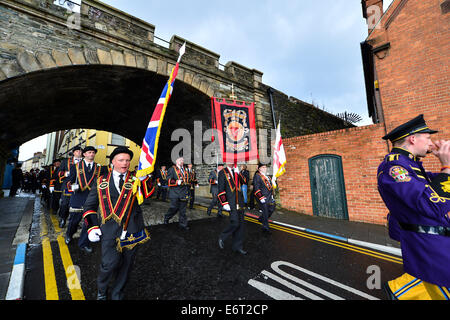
89	167
120	182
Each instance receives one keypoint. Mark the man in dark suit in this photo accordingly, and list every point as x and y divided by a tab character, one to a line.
115	191
55	186
178	180
264	193
193	183
80	182
17	180
161	179
63	174
213	179
232	200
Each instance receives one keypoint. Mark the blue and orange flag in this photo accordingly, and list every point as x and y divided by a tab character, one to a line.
149	147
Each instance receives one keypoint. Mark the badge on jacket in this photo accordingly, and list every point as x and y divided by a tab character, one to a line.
399	174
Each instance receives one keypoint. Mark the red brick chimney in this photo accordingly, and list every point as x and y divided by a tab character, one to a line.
372	12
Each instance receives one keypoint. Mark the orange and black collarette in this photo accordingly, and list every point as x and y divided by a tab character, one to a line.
81	175
107	209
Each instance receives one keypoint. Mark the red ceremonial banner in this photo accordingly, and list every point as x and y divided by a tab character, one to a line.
236	131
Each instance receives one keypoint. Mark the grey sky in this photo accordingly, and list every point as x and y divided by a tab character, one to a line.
306	48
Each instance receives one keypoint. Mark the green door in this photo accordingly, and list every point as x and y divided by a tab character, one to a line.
327	186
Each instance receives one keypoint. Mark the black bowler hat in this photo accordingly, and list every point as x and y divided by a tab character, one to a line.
76	148
56	160
261	165
119	150
416	125
89	148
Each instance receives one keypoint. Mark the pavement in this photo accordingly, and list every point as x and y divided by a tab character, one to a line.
16	214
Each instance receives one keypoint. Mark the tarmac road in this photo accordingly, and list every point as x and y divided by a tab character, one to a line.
179	265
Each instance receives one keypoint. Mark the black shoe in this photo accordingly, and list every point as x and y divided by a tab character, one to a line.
241	251
388	292
221	244
101	296
86	249
166	221
185	228
67	239
219	215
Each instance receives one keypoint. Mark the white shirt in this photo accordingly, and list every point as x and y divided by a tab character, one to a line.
116	177
87	163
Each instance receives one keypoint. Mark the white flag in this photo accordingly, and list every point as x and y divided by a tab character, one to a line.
279	157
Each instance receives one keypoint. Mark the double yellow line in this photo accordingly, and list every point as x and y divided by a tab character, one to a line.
73	282
335	243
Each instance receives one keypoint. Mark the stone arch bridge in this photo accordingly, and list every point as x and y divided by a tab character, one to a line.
102	69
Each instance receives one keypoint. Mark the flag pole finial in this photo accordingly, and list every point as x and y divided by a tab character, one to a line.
181	52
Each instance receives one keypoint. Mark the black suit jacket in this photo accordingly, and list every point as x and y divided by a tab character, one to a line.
111	229
230	190
175	190
262	188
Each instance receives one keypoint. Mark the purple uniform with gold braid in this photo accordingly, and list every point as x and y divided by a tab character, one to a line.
419	206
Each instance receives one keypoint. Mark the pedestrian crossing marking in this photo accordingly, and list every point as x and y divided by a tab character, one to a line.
279	294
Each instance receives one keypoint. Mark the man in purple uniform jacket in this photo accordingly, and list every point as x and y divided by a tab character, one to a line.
419	206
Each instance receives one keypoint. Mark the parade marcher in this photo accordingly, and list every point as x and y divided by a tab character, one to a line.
193	183
264	194
161	179
177	178
245	178
80	181
113	195
55	186
251	204
419	206
213	180
232	200
45	185
17	179
63	174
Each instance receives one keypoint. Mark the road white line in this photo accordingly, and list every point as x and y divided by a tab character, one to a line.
291	286
277	264
272	292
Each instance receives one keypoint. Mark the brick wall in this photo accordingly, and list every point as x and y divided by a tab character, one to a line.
361	149
414	78
414	73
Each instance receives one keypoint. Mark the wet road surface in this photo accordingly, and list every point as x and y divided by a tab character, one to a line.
178	265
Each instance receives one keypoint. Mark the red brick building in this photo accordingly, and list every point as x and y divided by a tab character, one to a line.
406	66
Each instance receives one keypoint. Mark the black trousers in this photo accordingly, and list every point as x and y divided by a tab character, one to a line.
63	212
176	205
235	229
72	227
215	202
55	197
163	192
191	197
114	263
267	210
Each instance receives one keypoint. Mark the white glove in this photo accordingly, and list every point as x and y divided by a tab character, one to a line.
179	182
262	200
236	170
159	184
94	235
75	187
227	207
52	189
67	173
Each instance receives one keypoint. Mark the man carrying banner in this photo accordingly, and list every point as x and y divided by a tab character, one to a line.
232	200
119	214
